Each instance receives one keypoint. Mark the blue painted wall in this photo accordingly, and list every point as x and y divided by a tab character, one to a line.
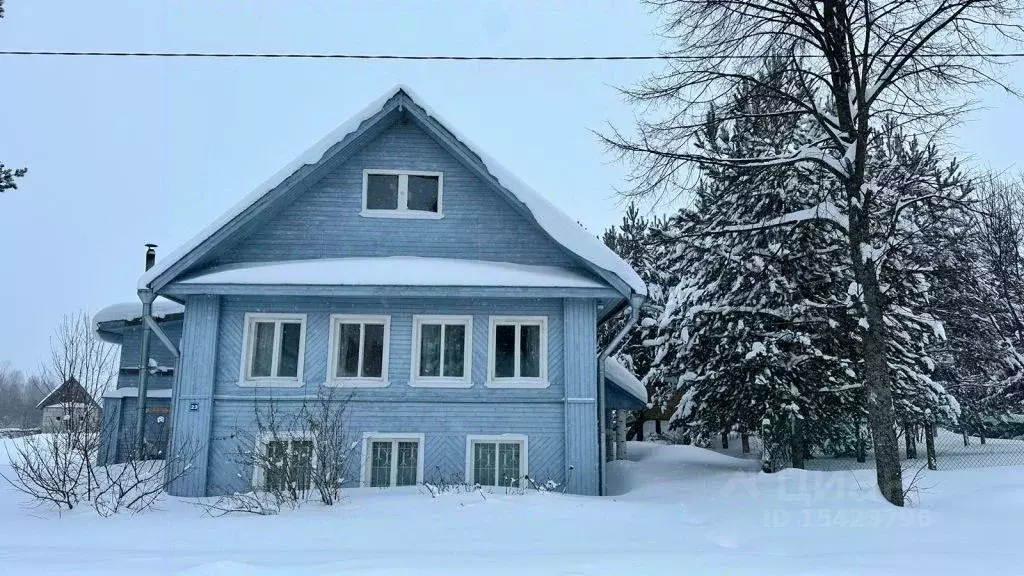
211	355
324	222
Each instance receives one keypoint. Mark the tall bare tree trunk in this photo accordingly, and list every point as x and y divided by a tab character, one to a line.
796	446
881	416
929	444
861	449
910	432
745	440
725	440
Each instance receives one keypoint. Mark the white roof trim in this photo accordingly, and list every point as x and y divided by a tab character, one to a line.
396	271
560	227
624	379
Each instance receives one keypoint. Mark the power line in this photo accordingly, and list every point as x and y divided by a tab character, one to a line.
341	56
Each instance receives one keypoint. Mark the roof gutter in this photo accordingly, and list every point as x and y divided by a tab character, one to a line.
635	302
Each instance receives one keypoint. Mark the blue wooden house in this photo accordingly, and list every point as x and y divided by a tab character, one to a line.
454	306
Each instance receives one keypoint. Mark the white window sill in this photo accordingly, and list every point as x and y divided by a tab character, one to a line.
518	383
440	383
272	383
402	214
357	383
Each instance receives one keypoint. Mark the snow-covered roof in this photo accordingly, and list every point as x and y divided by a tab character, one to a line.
560	227
396	271
70	386
624	379
131	311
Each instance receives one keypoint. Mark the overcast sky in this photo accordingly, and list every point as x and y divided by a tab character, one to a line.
127	151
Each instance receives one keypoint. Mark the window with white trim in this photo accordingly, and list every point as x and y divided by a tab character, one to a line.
284	463
442	347
359	350
274	345
496	460
518	351
402	193
392	460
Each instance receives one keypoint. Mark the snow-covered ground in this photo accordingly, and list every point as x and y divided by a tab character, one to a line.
678	510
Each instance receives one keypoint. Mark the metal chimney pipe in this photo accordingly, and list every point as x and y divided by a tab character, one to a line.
150	255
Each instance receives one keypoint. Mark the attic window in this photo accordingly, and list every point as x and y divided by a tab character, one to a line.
402	194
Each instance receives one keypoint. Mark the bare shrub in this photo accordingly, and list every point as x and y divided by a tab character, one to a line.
294	456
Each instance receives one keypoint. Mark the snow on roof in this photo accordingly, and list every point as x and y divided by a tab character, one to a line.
624	379
69	383
563	229
397	271
130	311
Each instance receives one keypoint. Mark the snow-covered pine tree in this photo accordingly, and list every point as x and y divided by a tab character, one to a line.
634	239
751	332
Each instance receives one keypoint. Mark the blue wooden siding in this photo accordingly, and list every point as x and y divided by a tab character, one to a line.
131	344
444	415
444	426
581	396
319	310
324	222
190	433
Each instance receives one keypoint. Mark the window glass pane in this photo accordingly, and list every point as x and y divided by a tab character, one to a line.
483	464
301	463
373	351
529	351
380	464
348	350
407	454
508	464
262	349
454	350
274	465
423	193
382	192
504	351
430	350
288	362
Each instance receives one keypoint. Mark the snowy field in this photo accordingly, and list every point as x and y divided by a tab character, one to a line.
678	510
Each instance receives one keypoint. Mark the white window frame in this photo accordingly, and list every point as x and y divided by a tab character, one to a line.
332	356
394	438
517	381
524	451
441	381
403	195
249	326
261	450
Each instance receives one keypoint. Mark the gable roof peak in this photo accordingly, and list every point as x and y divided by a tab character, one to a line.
556	224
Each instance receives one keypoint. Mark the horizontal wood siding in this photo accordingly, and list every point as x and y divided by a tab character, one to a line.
324	222
131	345
190	433
444	426
581	446
319	310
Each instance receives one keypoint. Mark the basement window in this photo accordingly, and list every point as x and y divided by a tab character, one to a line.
402	194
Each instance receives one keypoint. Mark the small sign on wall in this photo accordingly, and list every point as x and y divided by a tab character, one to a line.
193	406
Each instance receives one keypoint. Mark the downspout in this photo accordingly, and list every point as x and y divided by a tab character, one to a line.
140	418
635	302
